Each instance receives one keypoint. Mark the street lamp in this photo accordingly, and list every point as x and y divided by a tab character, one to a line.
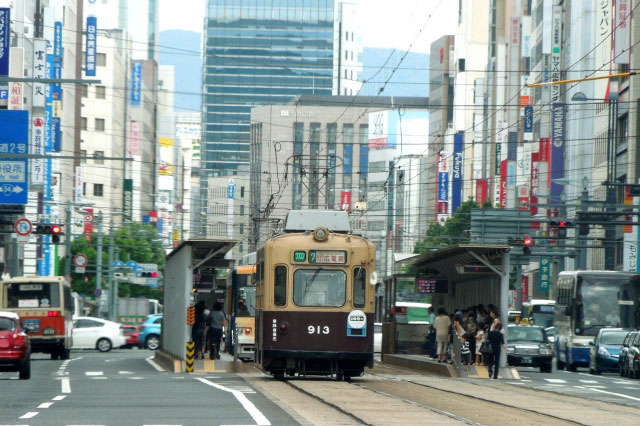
609	229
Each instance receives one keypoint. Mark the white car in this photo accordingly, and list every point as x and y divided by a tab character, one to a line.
96	333
377	337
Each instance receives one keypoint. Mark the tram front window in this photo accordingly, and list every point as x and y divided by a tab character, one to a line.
319	287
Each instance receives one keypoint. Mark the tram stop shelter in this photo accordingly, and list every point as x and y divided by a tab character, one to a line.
189	258
456	277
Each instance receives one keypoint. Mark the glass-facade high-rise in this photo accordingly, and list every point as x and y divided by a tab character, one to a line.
259	52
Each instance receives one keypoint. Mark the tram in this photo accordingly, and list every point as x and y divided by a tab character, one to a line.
314	299
243	297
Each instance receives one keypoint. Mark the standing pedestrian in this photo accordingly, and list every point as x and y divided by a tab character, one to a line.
496	339
442	324
431	337
198	328
471	327
216	321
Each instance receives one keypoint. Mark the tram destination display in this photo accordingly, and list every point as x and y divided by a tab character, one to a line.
431	286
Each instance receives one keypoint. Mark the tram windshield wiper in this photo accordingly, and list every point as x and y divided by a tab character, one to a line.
310	281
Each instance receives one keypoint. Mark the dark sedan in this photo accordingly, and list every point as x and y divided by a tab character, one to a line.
633	358
529	346
623	359
604	350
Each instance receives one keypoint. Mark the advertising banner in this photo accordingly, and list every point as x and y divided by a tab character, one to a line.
535	181
90	46
14	173
39	71
526	36
16	69
136	83
345	201
166	166
557	150
528	123
78	185
378	129
443	186
622	32
5	34
547	14
37	148
545	273
57	40
525	289
543	168
456	172
498	158
523	197
482	190
127	199
556	45
503	184
88	223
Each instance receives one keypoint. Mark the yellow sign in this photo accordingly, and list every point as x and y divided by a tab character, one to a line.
167	156
176	236
56	107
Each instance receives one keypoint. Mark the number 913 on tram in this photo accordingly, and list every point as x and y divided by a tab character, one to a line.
315	298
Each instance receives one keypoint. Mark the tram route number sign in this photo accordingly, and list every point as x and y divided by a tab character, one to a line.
299	256
328	256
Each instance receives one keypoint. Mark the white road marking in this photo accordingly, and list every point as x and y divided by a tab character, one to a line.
29	415
154	364
242	399
556	381
589	381
93	373
100	378
66	385
125	372
595	387
59	397
45	405
616	394
623	382
135	378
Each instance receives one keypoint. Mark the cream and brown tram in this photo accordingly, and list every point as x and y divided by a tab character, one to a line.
314	298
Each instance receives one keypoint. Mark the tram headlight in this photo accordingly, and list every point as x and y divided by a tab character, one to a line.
320	233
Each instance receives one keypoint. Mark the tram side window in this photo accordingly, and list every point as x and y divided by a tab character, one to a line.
280	286
359	287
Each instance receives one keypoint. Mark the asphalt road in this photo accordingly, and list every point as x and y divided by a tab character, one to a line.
609	387
123	388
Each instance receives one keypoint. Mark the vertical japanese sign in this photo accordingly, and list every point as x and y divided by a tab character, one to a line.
88	223
630	242
545	273
512	164
16	69
57	40
525	289
528	123
443	187
622	32
127	199
90	46
535	184
345	201
526	36
78	185
136	83
557	150
456	172
39	71
503	184
482	190
5	33
37	148
523	197
556	43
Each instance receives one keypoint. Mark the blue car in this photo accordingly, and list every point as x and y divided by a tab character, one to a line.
604	350
150	332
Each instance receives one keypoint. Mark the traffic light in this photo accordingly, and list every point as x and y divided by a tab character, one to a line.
527	242
561	226
149	274
54	230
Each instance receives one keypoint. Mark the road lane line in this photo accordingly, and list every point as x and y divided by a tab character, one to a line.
616	394
29	415
66	385
154	364
589	381
45	405
260	419
59	397
556	381
93	373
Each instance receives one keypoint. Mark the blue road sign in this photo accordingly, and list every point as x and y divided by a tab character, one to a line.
118	264
98	292
4	94
14	139
133	265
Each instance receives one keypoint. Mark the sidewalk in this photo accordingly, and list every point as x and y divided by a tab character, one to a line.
424	363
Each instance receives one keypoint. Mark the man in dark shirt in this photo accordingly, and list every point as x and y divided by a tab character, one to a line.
496	340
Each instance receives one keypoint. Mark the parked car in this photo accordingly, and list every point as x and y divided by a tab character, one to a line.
623	359
96	333
150	332
604	350
15	349
529	346
377	337
633	358
551	334
131	334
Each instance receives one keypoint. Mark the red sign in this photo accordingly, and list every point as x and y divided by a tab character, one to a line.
525	289
23	227
345	201
535	180
482	186
153	217
88	223
503	184
523	197
544	156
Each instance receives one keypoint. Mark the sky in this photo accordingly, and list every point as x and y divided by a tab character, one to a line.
384	23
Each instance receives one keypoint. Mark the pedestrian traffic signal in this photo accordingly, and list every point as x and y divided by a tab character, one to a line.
53	230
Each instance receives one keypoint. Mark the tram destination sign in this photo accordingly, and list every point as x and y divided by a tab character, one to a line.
328	256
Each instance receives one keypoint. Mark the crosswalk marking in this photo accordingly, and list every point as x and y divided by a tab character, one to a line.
93	373
556	380
29	415
45	405
589	381
59	397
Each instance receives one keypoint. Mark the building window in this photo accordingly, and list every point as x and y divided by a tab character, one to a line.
241	209
242	229
298	142
345	74
85	90
242	192
101	59
98	190
99	125
347	130
98	157
346	54
84	188
83	123
100	92
83	153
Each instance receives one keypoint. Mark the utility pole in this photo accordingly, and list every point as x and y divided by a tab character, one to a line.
582	241
67	243
99	261
113	295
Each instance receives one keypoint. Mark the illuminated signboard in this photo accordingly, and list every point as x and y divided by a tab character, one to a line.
430	286
328	256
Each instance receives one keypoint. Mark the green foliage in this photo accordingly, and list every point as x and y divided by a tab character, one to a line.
131	242
452	232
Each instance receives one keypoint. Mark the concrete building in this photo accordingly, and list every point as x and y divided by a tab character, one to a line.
314	153
188	127
228	212
347	56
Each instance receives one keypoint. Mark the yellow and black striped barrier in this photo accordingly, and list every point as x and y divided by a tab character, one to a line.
191	355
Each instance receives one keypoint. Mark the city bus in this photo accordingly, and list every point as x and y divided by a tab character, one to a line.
243	294
45	307
539	312
587	301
